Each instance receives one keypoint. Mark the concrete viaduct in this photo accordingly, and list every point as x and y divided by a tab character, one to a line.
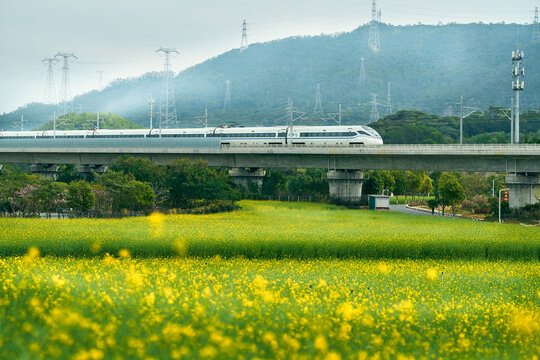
345	164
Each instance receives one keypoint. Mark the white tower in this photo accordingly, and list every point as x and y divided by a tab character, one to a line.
518	72
373	40
167	102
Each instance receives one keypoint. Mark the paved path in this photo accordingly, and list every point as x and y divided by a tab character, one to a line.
404	210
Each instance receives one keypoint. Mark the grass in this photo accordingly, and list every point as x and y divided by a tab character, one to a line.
97	308
275	230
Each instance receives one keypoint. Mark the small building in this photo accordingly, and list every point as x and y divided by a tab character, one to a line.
379	202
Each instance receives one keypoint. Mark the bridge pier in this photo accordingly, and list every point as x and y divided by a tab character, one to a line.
243	177
86	171
522	189
46	170
345	185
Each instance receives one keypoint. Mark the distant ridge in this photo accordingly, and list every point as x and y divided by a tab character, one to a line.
429	68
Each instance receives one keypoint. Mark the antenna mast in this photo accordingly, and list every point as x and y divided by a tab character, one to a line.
65	87
373	40
518	71
167	102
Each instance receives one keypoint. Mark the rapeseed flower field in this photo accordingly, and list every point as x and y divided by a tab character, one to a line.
272	281
213	308
274	230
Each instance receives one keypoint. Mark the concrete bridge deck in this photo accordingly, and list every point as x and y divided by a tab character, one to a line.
522	158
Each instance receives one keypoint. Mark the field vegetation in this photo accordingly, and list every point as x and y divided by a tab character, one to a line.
265	229
274	309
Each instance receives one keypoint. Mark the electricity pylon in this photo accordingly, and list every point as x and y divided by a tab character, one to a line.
362	71
535	38
318	103
167	101
66	102
374	115
227	99
373	41
244	43
50	92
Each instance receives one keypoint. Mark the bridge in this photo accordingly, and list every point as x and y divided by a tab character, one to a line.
345	164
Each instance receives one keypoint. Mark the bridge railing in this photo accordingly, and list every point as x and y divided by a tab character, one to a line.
396	146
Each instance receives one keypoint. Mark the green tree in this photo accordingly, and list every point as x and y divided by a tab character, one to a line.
426	187
450	191
135	197
189	181
80	197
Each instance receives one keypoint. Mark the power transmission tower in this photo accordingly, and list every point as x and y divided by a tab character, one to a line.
318	103
100	79
167	101
535	38
244	43
379	16
373	41
389	101
50	92
204	118
518	71
449	111
471	110
66	102
374	114
227	99
362	71
151	103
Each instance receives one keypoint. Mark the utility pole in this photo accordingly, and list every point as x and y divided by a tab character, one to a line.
535	38
318	103
204	118
151	103
50	92
509	113
518	71
227	100
373	40
20	124
374	115
462	115
167	102
244	43
332	116
292	117
65	88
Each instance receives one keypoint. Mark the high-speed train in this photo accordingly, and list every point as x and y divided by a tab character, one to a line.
229	136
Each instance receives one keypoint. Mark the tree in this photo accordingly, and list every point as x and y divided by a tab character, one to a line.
426	187
136	197
433	203
414	181
450	191
189	181
80	197
400	183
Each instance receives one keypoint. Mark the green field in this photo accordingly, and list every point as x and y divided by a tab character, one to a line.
275	230
273	280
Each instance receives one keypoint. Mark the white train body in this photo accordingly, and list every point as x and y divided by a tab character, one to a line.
229	136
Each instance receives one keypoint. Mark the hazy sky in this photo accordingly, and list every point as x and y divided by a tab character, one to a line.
120	36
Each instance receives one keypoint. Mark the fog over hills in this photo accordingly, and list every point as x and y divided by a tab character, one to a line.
429	68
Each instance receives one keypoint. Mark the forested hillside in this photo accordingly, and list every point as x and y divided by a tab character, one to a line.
429	68
88	121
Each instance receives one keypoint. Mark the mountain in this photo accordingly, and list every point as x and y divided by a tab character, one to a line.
429	68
